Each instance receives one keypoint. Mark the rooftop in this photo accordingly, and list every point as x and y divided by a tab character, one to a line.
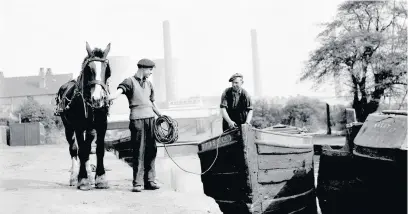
32	85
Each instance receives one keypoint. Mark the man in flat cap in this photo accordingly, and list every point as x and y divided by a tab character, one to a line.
140	94
236	105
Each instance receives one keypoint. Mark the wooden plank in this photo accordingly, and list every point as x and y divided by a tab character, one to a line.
280	175
302	181
229	159
283	139
278	149
250	154
284	161
223	140
289	204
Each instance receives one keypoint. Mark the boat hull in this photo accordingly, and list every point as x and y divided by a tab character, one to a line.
259	172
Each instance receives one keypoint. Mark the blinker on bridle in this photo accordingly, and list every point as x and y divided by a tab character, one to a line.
93	82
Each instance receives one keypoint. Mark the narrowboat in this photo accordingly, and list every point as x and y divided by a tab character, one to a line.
380	161
248	170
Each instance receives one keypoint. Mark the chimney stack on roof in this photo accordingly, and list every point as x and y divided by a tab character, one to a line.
41	73
42	80
49	72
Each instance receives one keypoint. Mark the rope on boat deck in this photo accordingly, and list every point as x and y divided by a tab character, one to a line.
170	135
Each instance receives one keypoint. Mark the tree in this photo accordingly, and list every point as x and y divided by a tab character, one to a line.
364	47
266	113
32	111
303	111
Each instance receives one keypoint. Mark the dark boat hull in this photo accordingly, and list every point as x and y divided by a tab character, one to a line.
368	175
259	172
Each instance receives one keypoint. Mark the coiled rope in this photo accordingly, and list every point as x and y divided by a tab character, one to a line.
166	136
170	135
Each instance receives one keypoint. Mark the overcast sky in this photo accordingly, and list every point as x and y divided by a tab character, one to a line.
211	38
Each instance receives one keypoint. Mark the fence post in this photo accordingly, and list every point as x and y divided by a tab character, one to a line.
328	119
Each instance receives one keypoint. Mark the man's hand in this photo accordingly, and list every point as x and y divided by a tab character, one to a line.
232	124
115	95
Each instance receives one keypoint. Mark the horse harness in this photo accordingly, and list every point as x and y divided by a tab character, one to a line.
80	84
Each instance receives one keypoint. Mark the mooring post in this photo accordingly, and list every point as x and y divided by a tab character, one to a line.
328	119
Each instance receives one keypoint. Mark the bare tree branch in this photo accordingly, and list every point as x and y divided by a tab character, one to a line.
359	19
369	20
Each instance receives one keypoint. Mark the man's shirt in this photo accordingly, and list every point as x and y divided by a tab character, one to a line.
237	105
140	94
127	87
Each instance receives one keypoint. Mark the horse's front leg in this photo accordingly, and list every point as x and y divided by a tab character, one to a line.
73	151
84	150
100	176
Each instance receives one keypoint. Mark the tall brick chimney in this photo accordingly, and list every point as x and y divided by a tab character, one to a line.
170	75
49	72
1	77
255	65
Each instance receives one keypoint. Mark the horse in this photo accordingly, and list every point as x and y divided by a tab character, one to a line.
85	111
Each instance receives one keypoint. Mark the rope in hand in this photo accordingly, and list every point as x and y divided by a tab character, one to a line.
170	135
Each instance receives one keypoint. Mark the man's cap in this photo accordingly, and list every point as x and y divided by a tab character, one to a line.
234	76
146	63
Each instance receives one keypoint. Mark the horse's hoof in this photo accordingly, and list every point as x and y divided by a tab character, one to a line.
73	181
101	182
84	185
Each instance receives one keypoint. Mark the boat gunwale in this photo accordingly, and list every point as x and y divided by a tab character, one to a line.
219	136
372	157
283	134
281	145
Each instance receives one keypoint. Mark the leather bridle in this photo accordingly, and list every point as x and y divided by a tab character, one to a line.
93	82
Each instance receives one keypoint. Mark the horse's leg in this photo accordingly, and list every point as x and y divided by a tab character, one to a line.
84	150
73	151
100	177
89	137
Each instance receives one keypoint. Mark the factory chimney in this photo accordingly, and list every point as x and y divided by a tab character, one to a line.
168	64
255	65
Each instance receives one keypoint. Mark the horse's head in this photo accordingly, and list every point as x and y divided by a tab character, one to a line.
96	71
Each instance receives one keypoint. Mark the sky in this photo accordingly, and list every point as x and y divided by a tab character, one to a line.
211	38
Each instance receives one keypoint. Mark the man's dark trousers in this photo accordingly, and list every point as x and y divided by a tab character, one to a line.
144	150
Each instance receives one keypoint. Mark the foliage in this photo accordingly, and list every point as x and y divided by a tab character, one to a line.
338	118
298	111
364	47
31	111
266	113
303	111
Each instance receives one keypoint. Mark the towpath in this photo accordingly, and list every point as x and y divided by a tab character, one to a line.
35	180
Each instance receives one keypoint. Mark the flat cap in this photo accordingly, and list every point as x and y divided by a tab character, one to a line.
234	76
146	63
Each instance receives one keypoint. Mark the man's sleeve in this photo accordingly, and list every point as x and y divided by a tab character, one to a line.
224	102
126	86
248	102
152	92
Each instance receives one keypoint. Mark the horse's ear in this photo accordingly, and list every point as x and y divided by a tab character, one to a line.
88	49
106	51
